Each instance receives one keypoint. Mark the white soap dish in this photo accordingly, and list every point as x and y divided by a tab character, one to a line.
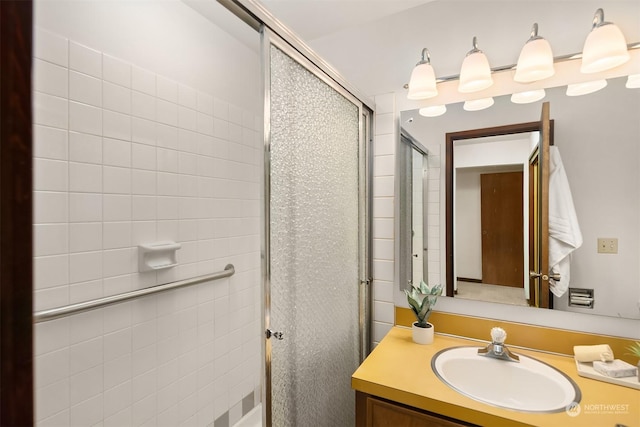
157	256
585	369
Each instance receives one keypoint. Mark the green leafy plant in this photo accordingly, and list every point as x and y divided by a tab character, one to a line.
634	349
422	298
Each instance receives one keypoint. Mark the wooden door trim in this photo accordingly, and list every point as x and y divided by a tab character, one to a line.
533	202
545	142
16	289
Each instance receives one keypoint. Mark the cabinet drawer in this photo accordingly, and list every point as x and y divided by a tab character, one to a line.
376	412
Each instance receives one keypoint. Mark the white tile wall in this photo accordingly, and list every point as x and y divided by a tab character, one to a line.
383	217
125	156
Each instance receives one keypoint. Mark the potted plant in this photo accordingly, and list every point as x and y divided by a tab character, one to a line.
635	351
421	299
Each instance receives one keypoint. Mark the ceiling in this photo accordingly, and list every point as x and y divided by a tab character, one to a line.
308	19
314	19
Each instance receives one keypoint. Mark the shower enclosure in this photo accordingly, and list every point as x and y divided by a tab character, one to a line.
150	127
316	242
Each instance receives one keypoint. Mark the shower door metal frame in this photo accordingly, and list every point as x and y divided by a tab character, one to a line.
270	38
254	14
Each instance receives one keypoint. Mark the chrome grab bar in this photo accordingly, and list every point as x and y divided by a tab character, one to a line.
67	310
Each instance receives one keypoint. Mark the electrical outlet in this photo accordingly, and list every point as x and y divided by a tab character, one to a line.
607	245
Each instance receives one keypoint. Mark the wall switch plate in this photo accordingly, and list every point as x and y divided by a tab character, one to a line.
607	245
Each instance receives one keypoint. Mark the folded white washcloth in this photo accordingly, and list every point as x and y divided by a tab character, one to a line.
590	353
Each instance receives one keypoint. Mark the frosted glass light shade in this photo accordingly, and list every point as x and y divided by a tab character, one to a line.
423	82
535	61
475	73
633	81
528	96
478	104
604	48
433	111
585	88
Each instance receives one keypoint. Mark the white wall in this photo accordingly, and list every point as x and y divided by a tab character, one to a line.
468	227
147	128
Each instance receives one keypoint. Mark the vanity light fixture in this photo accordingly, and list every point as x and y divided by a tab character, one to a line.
605	46
633	81
536	59
422	84
475	73
585	88
478	104
528	96
433	111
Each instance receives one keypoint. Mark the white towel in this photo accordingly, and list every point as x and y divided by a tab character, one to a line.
590	353
564	230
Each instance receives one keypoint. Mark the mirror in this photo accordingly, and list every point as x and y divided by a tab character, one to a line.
598	138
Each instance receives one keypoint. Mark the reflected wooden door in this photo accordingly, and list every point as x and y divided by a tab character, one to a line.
539	216
502	229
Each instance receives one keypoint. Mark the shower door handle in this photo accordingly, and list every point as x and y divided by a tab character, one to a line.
276	334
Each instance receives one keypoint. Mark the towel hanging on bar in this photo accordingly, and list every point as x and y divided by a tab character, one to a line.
564	231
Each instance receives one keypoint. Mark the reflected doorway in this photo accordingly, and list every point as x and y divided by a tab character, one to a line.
500	147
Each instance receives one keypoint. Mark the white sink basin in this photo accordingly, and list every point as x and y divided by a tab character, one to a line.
526	386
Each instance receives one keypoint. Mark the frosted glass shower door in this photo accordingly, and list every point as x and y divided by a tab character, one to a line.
314	245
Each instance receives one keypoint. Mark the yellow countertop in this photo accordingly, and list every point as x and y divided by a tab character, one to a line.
400	370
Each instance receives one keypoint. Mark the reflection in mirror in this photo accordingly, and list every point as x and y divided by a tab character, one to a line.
498	209
491	218
419	174
598	138
415	189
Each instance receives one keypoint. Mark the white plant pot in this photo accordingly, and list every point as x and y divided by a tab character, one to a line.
422	335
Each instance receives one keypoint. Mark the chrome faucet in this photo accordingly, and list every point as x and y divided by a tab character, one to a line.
497	349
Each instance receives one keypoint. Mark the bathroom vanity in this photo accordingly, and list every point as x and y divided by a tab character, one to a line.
396	385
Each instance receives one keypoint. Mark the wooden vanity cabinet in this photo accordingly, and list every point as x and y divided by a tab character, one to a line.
372	411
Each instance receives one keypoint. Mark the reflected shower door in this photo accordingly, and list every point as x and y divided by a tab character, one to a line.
314	246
